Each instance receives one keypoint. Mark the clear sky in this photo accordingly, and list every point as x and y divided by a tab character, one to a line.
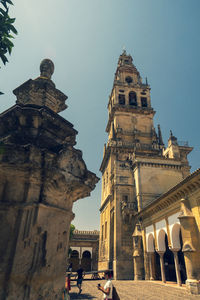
84	38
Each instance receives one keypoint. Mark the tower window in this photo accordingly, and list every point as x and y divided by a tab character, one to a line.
125	198
121	99
128	79
105	230
102	229
132	99
144	101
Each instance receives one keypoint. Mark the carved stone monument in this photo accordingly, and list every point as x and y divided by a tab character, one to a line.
41	175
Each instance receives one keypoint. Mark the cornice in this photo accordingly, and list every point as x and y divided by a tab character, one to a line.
105	202
105	159
158	165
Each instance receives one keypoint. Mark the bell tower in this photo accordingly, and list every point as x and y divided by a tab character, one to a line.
136	168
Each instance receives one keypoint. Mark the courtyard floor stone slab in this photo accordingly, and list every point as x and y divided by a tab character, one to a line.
133	290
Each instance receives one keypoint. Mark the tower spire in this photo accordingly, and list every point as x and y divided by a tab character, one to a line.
160	140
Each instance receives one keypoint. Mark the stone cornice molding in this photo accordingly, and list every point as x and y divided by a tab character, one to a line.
105	202
86	232
172	165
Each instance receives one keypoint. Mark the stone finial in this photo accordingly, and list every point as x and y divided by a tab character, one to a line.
42	91
46	68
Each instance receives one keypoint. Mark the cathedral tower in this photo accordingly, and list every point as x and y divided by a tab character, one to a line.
136	168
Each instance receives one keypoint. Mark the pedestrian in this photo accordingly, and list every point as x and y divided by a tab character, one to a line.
80	273
70	268
65	294
108	287
67	284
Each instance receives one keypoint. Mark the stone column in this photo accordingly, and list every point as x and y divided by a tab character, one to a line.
162	266
138	267
146	266
138	259
178	274
150	265
191	246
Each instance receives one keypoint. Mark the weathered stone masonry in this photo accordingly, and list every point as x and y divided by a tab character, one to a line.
41	175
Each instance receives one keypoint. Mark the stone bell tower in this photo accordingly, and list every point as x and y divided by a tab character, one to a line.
136	168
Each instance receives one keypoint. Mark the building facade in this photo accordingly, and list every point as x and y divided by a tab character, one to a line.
166	239
84	246
136	168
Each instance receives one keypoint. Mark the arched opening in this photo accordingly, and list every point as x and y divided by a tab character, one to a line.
150	243
182	260
74	260
154	259
121	98
161	241
132	99
143	101
86	261
175	236
170	272
177	243
156	263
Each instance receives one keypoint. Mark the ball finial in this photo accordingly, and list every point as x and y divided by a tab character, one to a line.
46	68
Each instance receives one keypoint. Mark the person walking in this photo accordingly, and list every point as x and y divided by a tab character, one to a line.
67	284
65	294
80	273
108	287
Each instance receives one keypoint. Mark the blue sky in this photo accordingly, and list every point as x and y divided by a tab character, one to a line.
84	38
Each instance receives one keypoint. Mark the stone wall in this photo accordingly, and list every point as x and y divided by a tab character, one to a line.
41	175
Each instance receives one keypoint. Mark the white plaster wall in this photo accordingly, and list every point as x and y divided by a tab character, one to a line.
77	249
160	239
149	230
173	220
161	225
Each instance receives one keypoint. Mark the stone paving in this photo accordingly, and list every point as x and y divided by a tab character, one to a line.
132	290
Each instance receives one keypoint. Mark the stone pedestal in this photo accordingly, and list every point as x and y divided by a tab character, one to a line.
123	269
138	267
41	175
191	246
151	265
193	286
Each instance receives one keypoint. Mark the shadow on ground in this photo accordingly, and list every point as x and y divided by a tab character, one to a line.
75	296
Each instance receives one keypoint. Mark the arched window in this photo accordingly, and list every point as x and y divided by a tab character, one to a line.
144	101
74	260
86	261
132	99
86	254
74	254
121	99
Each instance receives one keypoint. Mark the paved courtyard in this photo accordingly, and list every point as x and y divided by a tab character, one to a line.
130	290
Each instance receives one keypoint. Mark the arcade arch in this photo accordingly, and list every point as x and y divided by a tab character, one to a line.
166	261
86	261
